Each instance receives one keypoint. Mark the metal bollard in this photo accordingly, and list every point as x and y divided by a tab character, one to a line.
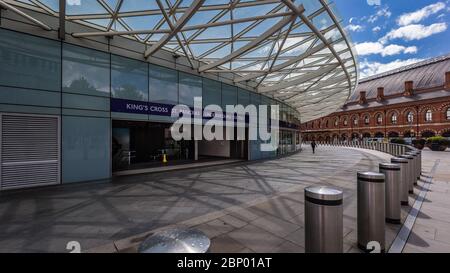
404	186
418	154
371	209
323	220
392	195
176	240
410	173
420	163
415	165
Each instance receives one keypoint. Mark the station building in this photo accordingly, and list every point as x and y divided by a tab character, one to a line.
410	102
87	89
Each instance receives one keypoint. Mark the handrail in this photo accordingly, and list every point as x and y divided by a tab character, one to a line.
388	148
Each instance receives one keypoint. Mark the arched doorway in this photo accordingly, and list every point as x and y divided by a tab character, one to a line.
428	133
355	136
367	135
393	135
344	137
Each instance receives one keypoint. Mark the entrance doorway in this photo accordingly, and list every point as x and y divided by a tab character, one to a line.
137	144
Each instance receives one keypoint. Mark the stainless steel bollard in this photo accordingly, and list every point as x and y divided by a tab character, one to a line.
410	173
420	163
392	195
415	165
176	240
404	186
323	220
371	209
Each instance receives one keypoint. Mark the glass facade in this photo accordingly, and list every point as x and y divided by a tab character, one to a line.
163	85
190	86
43	76
212	92
85	71
29	62
129	79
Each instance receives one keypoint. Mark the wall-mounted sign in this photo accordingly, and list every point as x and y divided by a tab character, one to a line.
160	109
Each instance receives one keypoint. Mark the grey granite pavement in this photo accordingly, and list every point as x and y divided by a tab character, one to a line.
244	207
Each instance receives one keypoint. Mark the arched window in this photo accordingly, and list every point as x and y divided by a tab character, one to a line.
345	122
448	114
379	119
336	122
410	117
355	121
394	118
366	120
429	116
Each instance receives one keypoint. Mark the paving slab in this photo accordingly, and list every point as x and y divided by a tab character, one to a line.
243	207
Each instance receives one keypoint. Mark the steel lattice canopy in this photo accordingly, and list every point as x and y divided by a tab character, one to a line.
294	51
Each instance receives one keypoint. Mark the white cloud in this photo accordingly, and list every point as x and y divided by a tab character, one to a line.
373	2
384	12
414	32
376	29
370	48
74	2
421	14
355	28
410	50
368	69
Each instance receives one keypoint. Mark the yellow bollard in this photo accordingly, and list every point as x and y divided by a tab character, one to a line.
165	158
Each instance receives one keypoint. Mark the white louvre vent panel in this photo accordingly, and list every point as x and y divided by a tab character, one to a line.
29	151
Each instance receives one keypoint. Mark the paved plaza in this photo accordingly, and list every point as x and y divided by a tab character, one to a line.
242	207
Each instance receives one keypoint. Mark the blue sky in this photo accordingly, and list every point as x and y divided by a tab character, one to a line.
393	33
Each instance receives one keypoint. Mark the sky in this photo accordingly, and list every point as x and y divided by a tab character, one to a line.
389	34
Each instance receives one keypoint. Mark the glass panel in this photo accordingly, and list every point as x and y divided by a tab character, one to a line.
243	97
255	99
29	62
229	95
163	85
212	91
85	146
190	87
129	78
85	71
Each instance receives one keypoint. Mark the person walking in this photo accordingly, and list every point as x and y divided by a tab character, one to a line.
313	146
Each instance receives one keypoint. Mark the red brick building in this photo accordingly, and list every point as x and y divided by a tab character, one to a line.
413	101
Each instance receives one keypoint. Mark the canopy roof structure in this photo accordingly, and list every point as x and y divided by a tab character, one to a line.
293	51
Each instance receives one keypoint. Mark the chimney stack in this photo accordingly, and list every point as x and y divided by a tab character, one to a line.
362	97
380	94
447	80
409	90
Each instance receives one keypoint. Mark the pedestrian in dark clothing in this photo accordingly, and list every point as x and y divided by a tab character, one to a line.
313	146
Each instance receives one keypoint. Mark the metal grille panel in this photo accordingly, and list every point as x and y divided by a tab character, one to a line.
30	148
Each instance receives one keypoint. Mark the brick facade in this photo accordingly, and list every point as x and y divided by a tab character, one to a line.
385	115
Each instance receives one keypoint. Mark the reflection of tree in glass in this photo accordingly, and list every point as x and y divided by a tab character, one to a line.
81	84
128	91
